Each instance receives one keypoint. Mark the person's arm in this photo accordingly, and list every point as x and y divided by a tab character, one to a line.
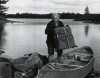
46	30
49	28
61	24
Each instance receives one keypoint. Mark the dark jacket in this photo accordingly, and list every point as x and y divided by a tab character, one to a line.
50	31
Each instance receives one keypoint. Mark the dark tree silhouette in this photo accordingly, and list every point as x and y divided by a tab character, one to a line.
2	7
87	10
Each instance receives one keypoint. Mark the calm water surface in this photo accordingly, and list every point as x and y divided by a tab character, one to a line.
21	38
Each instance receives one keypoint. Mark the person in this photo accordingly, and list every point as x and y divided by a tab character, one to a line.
49	31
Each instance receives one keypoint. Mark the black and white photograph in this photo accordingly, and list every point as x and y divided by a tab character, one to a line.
49	39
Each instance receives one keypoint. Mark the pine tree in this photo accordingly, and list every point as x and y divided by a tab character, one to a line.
87	10
2	7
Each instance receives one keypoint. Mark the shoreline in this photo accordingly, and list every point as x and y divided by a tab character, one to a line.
75	19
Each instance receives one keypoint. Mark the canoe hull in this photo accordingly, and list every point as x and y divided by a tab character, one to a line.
80	72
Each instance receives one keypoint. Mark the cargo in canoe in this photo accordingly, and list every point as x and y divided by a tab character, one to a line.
76	63
64	38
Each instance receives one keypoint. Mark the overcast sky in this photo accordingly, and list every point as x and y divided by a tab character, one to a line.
46	6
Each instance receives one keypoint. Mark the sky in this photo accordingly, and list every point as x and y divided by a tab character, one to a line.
51	6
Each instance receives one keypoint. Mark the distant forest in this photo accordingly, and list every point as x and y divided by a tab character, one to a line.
95	18
87	16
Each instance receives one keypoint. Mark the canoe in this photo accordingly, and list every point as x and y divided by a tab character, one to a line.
76	63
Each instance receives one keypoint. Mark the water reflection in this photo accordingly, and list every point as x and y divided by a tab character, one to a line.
28	37
2	34
86	29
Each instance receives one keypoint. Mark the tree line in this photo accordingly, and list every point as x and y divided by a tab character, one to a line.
76	16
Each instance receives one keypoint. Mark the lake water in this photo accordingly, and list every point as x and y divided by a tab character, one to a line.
21	38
